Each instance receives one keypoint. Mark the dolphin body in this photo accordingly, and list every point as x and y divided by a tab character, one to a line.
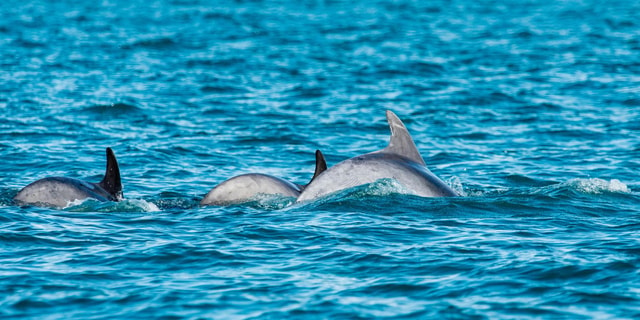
60	191
246	187
400	161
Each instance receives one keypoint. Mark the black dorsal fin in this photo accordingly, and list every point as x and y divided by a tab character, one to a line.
321	166
401	142
111	182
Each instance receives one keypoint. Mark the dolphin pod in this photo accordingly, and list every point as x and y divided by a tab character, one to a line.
400	161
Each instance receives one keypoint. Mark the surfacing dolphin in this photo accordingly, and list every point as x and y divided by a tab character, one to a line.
60	191
400	161
245	187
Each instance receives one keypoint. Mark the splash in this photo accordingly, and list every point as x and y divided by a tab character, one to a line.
127	205
385	187
598	186
456	184
270	201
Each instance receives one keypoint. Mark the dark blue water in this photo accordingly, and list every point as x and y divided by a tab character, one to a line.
531	109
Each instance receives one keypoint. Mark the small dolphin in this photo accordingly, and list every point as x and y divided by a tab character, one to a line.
60	191
245	187
400	161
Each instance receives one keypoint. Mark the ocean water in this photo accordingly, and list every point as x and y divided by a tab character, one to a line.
530	109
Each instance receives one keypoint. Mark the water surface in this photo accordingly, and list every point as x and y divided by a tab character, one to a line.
529	109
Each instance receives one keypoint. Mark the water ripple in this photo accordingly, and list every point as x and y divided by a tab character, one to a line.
526	109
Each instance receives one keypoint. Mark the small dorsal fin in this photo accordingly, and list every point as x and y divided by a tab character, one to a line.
401	142
111	182
321	166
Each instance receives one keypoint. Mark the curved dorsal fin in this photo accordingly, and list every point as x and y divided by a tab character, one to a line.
321	166
111	182
401	142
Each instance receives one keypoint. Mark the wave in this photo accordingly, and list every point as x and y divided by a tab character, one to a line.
116	108
153	42
268	202
597	186
584	186
383	193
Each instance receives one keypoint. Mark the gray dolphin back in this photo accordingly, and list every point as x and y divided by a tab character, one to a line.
246	187
60	191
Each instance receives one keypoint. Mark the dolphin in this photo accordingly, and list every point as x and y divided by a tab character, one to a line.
400	161
245	187
60	191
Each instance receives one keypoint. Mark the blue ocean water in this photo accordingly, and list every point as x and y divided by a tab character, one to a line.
530	109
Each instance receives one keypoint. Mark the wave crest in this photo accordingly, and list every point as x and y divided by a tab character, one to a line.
598	186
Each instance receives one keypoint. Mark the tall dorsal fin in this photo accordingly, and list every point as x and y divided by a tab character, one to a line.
111	182
401	142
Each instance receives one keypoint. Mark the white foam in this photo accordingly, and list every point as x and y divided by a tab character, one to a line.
385	187
272	201
77	202
456	184
143	204
598	186
90	204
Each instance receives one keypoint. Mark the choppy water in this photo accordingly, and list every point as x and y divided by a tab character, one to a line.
531	109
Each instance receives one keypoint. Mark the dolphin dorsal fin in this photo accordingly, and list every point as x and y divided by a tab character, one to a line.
111	182
401	142
321	166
